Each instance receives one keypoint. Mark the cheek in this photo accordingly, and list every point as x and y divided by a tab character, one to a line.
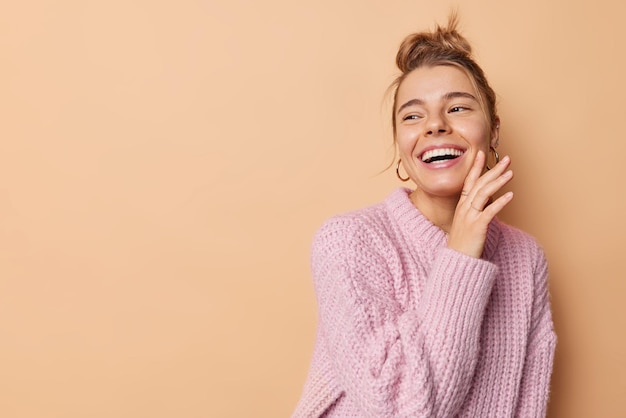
406	142
477	134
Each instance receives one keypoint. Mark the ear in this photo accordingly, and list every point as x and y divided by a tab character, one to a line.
495	133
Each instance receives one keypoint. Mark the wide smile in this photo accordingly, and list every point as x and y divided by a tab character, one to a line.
435	155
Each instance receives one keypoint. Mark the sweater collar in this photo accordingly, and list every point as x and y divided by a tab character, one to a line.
419	230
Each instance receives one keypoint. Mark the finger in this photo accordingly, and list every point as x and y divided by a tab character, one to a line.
474	173
493	209
485	191
495	172
488	177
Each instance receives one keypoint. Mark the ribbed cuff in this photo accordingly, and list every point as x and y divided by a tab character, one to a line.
456	294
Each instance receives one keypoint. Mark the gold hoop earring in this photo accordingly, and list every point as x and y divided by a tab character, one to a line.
495	154
398	171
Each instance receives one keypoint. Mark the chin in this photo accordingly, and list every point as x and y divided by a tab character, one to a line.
443	190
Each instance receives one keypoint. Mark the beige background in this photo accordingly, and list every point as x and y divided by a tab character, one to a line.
163	166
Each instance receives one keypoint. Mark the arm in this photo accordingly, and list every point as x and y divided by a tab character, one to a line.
535	384
413	361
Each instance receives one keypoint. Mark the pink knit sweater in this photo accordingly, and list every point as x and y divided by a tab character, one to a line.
410	328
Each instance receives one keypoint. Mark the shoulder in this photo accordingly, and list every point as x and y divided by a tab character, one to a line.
353	232
357	255
519	245
367	226
518	238
359	246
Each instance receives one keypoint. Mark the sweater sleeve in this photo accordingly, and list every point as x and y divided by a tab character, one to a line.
535	384
398	361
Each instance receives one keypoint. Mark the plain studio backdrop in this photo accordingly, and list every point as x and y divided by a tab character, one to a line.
164	165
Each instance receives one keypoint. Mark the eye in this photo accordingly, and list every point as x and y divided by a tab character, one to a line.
411	117
458	109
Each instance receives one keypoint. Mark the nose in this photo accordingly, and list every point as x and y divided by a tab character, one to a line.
436	125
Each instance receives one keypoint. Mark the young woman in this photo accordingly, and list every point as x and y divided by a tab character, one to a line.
428	305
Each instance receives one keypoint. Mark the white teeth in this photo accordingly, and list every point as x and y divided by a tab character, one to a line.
441	152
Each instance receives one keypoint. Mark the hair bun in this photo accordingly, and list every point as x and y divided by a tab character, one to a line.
443	41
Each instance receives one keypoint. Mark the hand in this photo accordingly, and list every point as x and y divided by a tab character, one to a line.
474	212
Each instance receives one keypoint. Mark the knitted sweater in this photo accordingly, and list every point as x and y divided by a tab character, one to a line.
410	328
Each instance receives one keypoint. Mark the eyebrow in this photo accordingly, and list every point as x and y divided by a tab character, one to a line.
447	96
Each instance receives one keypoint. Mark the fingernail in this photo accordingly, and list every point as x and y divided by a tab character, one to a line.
508	174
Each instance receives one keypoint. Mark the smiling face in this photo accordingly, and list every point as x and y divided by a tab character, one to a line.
440	127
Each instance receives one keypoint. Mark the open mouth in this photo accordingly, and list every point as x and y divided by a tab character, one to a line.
441	154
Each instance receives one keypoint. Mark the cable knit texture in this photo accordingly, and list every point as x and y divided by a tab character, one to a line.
410	328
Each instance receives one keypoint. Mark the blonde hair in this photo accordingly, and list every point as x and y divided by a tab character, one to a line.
443	46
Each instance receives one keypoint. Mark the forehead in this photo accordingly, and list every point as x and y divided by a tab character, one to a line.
432	83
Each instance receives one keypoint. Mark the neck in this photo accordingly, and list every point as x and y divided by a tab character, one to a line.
438	210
